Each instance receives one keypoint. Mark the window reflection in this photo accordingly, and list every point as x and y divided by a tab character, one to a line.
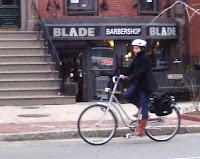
158	50
159	53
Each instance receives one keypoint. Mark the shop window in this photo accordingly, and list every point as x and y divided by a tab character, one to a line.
149	6
102	59
159	53
102	63
81	7
128	58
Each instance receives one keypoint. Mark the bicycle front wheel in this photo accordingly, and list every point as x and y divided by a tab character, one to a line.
96	125
163	128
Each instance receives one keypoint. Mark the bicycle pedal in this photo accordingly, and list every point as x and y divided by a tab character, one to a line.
129	136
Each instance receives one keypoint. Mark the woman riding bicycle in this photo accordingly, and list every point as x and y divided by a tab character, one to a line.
143	83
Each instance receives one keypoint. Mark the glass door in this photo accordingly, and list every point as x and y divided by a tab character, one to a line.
102	66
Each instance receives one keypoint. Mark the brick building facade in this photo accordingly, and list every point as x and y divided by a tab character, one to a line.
125	9
171	38
117	8
93	38
193	29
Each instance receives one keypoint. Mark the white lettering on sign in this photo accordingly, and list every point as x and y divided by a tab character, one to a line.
162	31
64	33
74	32
123	31
175	76
57	32
91	32
82	31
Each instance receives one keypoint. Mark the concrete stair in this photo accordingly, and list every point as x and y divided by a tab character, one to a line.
21	50
25	66
25	92
28	74
19	42
26	77
22	58
37	100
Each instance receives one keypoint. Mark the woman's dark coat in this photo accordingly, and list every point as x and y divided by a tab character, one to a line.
140	72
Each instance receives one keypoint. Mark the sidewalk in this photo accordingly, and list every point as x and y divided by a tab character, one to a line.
59	121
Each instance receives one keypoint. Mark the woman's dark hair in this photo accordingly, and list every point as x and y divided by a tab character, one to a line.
142	48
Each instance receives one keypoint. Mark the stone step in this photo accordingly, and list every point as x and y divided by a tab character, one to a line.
23	92
28	74
29	83
42	66
19	43
24	58
25	78
17	35
37	100
21	51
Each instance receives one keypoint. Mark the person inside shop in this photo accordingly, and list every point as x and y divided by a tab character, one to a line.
140	74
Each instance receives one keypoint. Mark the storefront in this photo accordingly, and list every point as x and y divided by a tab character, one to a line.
92	48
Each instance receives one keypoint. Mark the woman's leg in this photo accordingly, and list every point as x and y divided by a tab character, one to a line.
144	101
132	95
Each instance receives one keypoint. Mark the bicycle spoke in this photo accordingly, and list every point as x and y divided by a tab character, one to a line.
100	123
165	128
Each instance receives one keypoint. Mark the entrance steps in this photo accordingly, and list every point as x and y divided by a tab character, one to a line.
26	76
37	100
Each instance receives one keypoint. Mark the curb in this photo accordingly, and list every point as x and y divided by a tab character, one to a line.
64	134
190	117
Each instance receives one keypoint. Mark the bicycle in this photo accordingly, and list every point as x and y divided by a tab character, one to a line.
98	123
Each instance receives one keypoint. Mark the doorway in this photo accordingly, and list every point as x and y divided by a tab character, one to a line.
10	14
72	75
102	67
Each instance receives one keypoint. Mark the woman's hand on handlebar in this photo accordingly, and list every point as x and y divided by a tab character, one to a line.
124	77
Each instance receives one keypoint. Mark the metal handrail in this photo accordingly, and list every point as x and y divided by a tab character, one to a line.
40	26
41	31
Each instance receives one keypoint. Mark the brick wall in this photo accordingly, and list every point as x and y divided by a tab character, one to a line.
194	31
117	8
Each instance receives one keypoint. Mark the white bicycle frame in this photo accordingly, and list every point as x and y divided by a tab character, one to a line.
119	109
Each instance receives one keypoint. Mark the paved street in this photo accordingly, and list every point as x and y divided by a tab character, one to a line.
182	146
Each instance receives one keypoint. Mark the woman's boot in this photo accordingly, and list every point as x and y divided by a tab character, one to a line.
141	128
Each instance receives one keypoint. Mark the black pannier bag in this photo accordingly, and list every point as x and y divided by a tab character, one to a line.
160	104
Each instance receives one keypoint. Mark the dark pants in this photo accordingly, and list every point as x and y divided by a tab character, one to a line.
137	97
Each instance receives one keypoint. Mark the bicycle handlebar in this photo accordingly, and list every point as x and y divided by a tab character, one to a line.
116	79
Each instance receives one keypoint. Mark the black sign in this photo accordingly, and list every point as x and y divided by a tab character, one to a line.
75	31
162	31
123	31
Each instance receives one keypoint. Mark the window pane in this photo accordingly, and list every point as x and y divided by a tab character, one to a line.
102	58
159	53
81	4
147	5
8	2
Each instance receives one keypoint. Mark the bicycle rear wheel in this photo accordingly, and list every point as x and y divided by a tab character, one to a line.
93	129
163	128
